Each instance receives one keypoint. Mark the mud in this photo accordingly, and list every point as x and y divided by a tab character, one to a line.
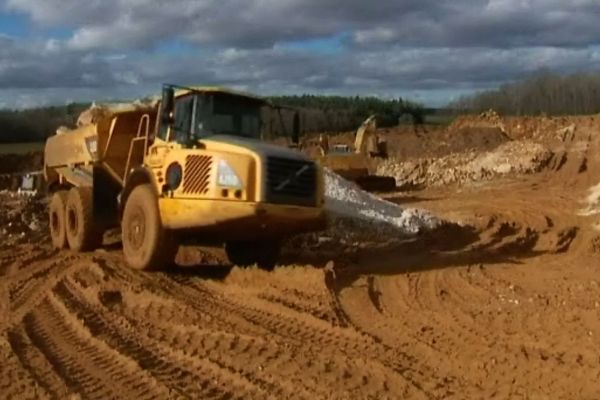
500	301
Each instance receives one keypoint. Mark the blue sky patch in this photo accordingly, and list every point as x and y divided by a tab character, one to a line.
14	25
330	45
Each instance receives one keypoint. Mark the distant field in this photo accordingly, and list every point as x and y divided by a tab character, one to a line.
440	119
20	148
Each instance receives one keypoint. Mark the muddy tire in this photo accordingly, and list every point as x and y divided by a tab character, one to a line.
83	234
57	219
262	253
146	245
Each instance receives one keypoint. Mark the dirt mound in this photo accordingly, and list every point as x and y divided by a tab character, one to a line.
511	158
540	128
487	119
410	142
98	112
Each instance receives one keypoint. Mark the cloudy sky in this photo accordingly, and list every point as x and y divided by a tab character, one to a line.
57	51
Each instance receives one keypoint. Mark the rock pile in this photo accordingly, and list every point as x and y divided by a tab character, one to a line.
511	158
358	219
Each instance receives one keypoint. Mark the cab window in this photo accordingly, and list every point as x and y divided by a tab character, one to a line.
182	124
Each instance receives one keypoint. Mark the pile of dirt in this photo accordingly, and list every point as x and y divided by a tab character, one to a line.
440	143
511	158
487	119
540	128
98	112
412	142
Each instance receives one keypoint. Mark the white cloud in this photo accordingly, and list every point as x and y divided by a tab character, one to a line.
390	47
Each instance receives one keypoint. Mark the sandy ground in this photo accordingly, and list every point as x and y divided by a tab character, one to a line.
500	302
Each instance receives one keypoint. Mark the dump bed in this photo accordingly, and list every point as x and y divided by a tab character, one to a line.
106	139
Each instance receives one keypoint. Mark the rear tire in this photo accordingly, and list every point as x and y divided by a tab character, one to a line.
83	234
146	244
57	220
264	253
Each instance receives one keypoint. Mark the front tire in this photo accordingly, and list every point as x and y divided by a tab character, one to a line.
264	253
83	234
57	220
146	244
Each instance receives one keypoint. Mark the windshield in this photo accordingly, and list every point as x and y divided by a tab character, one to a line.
233	115
200	115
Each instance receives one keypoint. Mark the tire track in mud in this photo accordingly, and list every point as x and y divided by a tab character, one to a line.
492	351
184	329
19	258
27	289
240	355
258	354
36	364
15	380
323	338
509	339
86	362
249	356
303	335
184	374
290	335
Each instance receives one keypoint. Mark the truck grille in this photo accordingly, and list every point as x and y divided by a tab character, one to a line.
196	176
291	182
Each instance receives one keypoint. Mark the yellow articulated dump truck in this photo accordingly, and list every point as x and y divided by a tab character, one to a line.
190	168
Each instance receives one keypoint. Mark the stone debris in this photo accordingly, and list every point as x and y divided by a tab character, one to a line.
511	158
358	219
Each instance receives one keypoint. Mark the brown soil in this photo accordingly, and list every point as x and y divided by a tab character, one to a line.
410	142
500	302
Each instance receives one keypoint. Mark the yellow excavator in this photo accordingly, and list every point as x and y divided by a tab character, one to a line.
356	163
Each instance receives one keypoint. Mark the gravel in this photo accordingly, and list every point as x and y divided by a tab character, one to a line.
344	199
358	219
511	158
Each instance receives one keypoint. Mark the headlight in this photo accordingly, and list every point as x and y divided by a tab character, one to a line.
174	176
227	177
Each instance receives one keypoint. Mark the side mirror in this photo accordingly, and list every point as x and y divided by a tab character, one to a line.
168	105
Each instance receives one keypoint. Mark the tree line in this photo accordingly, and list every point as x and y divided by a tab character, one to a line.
35	125
388	111
544	93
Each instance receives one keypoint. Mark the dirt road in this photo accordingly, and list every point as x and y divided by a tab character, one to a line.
501	303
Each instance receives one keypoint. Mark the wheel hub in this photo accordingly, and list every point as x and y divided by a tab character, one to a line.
137	229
